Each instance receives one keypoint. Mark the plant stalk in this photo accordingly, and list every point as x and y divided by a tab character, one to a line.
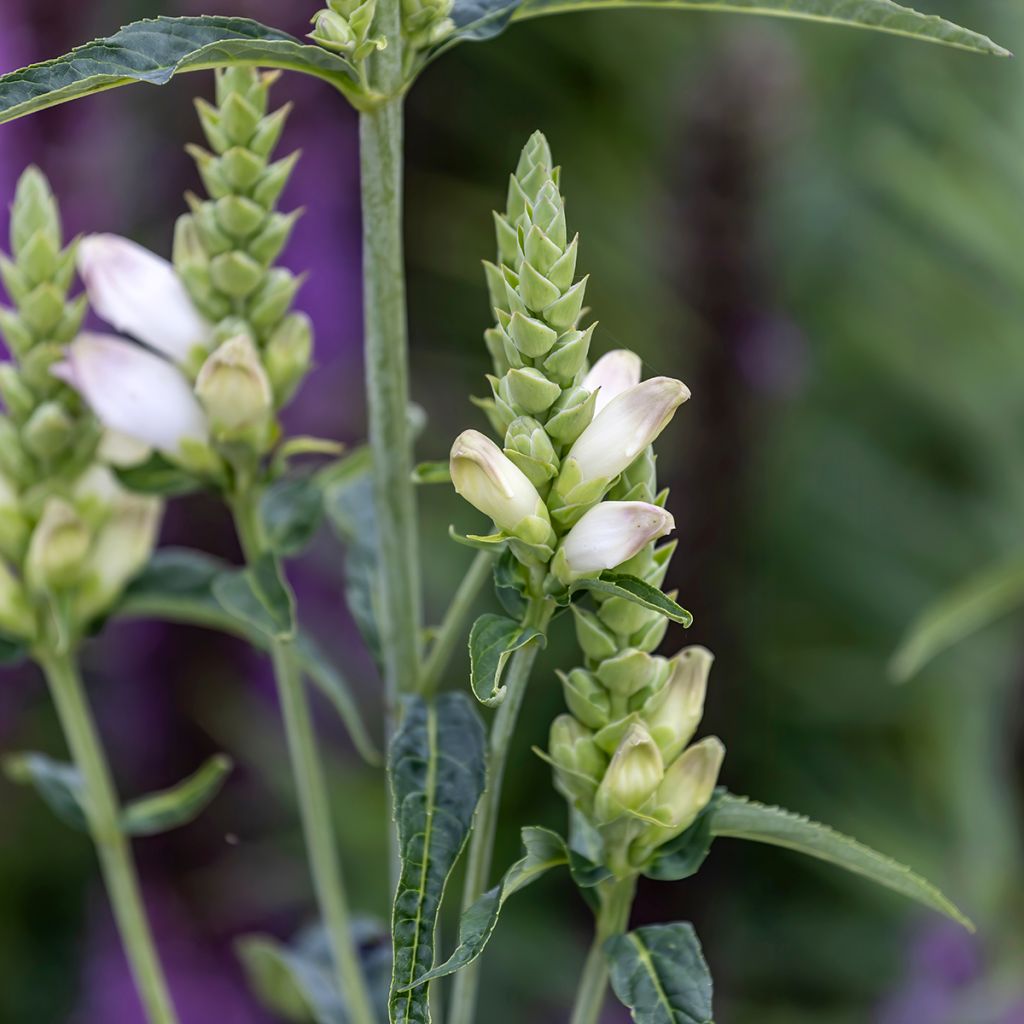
481	845
102	812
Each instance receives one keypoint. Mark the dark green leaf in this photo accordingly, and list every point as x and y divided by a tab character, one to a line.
481	19
59	785
12	652
739	818
682	857
659	972
509	585
158	476
618	584
154	51
432	473
492	640
438	769
292	509
177	806
259	597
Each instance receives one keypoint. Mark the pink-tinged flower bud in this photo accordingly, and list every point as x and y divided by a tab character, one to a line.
612	374
490	481
134	392
139	293
674	712
635	771
234	388
610	534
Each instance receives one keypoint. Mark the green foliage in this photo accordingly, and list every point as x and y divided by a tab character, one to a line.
158	476
636	591
683	856
59	784
437	768
659	972
492	641
177	806
292	509
259	597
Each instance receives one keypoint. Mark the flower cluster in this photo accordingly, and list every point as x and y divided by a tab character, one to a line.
221	350
70	536
344	26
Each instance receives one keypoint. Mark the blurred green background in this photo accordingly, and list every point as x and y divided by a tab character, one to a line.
820	231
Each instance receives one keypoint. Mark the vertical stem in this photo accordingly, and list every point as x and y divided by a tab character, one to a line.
612	919
481	845
112	846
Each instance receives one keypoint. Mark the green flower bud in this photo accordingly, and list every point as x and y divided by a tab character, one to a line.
623	617
288	355
239	117
631	671
16	395
239	168
569	356
269	305
236	273
579	763
34	211
528	390
529	447
272	184
570	416
564	312
531	337
596	641
332	31
586	698
634	774
58	547
674	711
234	389
238	216
14	527
267	245
18	337
16	617
49	432
13	460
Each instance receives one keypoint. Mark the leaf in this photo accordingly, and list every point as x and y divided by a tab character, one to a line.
432	473
683	856
12	651
177	586
157	49
543	850
59	784
972	606
158	476
292	509
659	972
879	15
739	818
636	590
177	806
259	597
477	20
509	585
492	641
438	770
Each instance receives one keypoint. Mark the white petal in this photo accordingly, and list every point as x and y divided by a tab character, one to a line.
134	392
121	450
612	533
139	293
613	373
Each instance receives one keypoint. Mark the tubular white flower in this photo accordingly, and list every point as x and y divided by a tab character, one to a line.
690	780
612	533
139	293
625	427
491	482
674	712
612	374
234	387
134	392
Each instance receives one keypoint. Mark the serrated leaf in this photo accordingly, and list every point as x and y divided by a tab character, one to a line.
634	589
492	641
438	769
659	972
58	783
154	51
292	509
739	818
432	473
259	597
543	850
683	856
177	806
973	605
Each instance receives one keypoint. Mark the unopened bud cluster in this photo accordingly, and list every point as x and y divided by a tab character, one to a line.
345	26
70	536
426	23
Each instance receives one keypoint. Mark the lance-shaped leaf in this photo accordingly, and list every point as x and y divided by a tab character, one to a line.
618	584
177	806
971	607
259	597
59	784
492	641
659	972
156	50
292	509
739	818
438	770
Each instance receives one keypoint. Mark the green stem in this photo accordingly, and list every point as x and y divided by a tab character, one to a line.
451	629
311	787
112	846
612	919
481	845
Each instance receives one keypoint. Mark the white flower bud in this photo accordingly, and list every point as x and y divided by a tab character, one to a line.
635	771
611	533
674	712
16	617
612	374
139	293
234	388
491	482
58	548
688	784
134	392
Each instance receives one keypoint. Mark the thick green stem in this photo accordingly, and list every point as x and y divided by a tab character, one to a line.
481	845
612	919
311	787
112	846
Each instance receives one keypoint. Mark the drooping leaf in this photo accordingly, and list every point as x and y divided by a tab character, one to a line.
683	856
543	850
437	768
59	784
492	641
177	806
973	605
259	597
292	509
154	51
177	586
659	972
633	589
739	818
158	476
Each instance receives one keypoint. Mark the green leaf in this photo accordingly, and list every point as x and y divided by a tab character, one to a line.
177	806
659	972
432	473
492	640
618	584
509	585
59	785
438	770
477	20
878	15
158	476
543	850
12	651
972	606
683	856
154	51
177	586
259	597
739	818
292	509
